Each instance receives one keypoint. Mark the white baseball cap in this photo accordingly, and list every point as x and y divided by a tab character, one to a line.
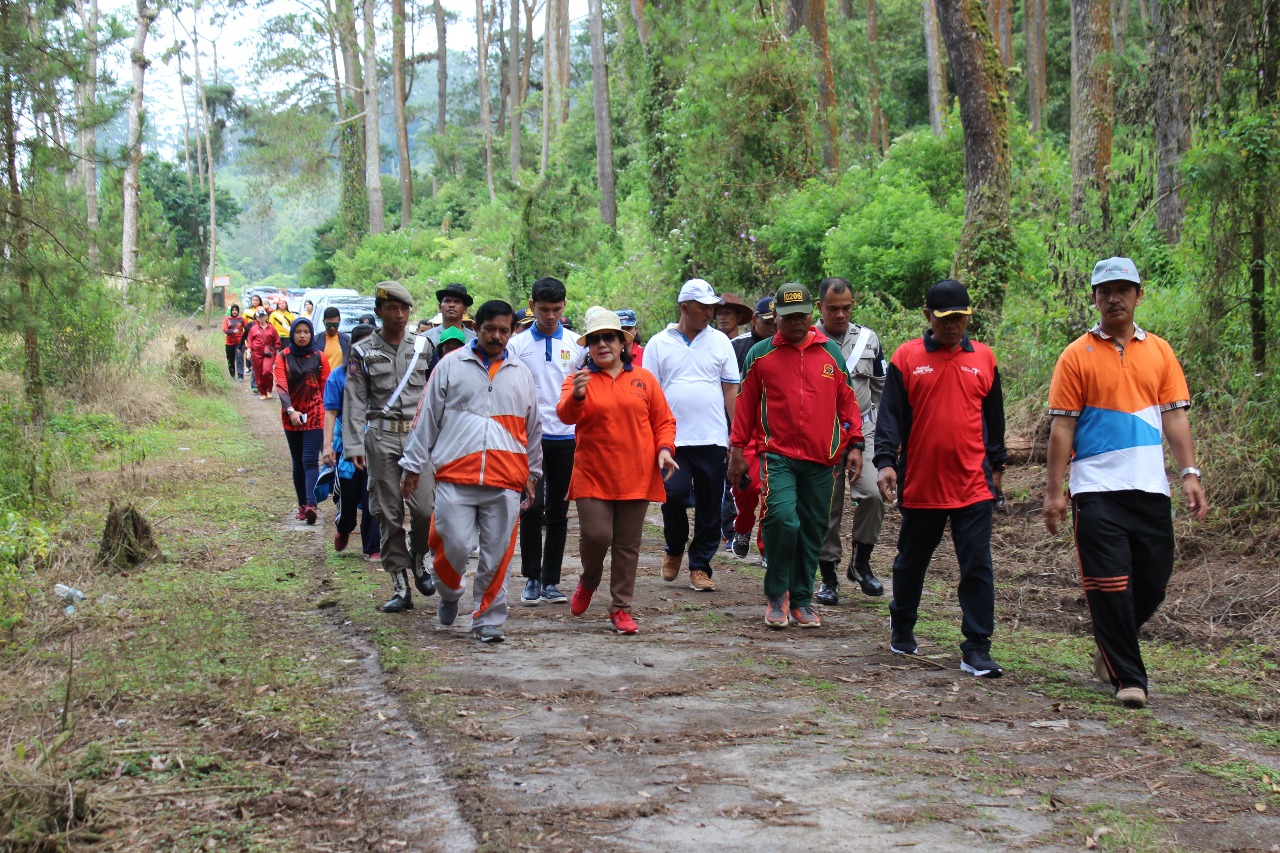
1114	269
697	290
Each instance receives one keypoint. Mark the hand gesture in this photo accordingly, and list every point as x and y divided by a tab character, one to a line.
887	480
1055	510
1194	490
666	463
580	379
853	465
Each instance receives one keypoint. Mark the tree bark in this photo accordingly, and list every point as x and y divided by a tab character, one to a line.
87	132
879	130
208	152
550	62
1265	79
1119	24
515	99
1000	19
14	259
442	68
1173	138
526	64
937	72
1033	23
133	160
562	55
604	123
642	26
986	247
400	98
372	144
482	82
817	25
1092	107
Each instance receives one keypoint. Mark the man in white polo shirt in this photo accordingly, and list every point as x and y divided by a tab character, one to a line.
695	365
550	355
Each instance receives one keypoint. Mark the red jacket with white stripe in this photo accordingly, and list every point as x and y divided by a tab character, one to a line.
477	424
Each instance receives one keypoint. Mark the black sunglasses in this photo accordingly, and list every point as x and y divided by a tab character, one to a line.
607	337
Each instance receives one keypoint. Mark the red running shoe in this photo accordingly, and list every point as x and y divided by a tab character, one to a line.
581	600
309	514
375	557
340	541
302	514
622	622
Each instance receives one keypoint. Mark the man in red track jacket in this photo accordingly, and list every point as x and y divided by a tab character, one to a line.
796	398
940	438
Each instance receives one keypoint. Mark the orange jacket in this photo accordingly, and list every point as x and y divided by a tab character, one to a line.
619	428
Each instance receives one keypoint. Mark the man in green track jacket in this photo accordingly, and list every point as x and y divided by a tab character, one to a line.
796	395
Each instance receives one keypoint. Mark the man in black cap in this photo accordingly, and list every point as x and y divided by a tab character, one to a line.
454	302
386	375
940	439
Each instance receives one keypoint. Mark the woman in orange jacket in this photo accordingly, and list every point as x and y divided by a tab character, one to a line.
626	437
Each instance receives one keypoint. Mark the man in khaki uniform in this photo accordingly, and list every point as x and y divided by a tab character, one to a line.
861	349
386	375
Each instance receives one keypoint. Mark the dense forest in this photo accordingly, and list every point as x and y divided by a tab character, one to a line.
893	143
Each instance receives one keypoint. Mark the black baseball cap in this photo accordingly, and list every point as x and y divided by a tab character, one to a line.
947	297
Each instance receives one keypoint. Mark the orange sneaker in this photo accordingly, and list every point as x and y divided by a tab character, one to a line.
581	600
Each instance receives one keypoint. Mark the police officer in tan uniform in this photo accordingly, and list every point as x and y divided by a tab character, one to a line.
386	375
861	348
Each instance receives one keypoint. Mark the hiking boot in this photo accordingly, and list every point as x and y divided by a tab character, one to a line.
403	599
623	623
902	641
1132	697
980	665
551	595
671	566
827	571
860	570
804	617
701	581
775	614
340	541
446	612
488	634
532	595
827	595
581	600
301	514
741	544
1100	668
422	576
309	514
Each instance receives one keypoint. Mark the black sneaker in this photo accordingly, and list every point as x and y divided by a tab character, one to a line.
741	544
980	665
488	634
532	595
551	595
446	612
901	642
827	595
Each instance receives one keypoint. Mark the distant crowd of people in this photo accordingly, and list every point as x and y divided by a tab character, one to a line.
469	435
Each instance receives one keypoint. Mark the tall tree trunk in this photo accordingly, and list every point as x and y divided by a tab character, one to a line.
550	63
401	97
604	123
1092	107
1173	138
642	26
372	145
879	130
133	160
514	93
1119	24
846	9
186	114
937	73
87	131
442	68
562	55
526	64
498	25
208	152
986	247
817	25
1265	80
339	98
1000	19
1033	23
14	259
796	16
353	205
350	43
482	73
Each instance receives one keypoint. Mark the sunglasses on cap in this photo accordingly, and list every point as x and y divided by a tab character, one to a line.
606	337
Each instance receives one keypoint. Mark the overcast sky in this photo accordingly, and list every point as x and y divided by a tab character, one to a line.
236	42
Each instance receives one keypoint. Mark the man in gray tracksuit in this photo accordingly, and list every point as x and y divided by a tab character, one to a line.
861	349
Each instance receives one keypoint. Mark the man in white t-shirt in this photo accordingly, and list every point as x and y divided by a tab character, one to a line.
550	355
695	365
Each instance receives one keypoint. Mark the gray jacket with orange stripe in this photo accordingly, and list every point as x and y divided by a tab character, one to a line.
476	428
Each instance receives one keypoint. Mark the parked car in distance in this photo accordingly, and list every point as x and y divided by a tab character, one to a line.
266	293
350	310
296	298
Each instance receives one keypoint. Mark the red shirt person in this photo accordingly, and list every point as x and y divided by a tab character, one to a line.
264	343
300	374
940	440
798	404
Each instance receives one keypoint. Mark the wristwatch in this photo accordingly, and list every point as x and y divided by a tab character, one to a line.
1190	470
